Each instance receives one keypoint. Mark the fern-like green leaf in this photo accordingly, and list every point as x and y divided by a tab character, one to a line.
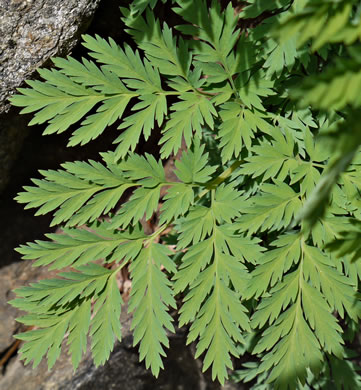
298	342
58	99
105	325
81	246
238	128
126	64
273	264
337	288
178	200
275	159
217	36
150	299
274	209
299	309
161	47
60	306
336	87
78	198
188	116
323	22
214	308
193	165
151	109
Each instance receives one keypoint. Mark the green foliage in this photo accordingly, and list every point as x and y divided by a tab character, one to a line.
260	111
62	305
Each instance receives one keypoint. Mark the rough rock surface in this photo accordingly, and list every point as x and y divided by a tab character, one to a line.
122	371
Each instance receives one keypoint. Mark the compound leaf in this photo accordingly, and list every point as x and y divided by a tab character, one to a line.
150	299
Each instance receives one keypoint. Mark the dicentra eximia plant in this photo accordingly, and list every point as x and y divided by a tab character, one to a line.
267	100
